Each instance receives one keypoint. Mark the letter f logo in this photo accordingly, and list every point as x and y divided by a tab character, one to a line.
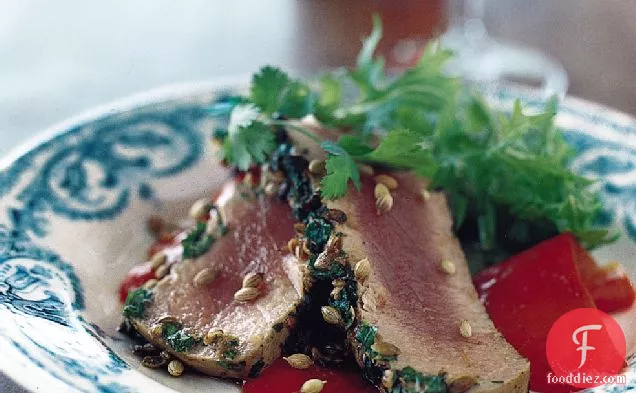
583	343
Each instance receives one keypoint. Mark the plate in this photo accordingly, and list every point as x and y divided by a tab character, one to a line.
73	206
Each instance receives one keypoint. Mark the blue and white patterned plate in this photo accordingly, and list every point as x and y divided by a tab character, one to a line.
72	222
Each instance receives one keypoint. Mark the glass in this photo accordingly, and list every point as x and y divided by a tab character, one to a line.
487	61
330	33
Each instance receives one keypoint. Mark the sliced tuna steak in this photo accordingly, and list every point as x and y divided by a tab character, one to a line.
249	334
409	310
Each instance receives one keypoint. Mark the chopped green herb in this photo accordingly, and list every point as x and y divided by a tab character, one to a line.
136	303
348	298
256	368
335	270
231	365
197	242
365	335
176	338
318	230
411	381
231	349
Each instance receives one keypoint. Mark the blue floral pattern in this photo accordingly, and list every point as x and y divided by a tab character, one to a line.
89	172
94	170
116	147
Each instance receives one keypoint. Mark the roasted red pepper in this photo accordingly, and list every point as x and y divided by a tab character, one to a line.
609	285
135	278
164	241
527	293
282	378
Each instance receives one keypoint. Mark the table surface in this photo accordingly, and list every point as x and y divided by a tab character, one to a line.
62	58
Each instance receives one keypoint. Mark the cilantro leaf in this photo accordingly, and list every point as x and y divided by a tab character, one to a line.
404	149
381	102
506	175
329	100
273	91
354	145
249	145
297	101
369	72
266	87
333	148
341	168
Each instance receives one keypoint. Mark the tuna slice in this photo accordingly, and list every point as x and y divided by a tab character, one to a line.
253	331
413	303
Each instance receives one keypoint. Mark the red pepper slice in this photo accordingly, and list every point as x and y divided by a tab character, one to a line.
609	285
527	293
135	278
282	378
165	240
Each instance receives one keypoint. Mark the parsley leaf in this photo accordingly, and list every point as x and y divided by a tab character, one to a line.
507	178
341	168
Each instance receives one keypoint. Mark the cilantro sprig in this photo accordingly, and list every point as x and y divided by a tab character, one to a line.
506	175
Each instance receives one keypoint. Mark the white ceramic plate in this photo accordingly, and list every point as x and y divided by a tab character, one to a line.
72	222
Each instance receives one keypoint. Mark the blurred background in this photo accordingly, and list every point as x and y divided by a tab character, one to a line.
59	58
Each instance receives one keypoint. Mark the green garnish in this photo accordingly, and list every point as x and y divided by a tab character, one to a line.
341	168
365	335
197	242
231	365
317	231
412	381
136	303
231	349
506	176
176	338
274	92
256	368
